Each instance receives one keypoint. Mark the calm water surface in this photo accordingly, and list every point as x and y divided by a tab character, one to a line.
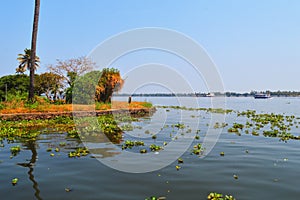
270	169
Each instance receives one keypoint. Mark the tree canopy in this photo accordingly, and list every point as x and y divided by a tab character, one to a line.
69	69
109	82
14	84
97	86
24	60
49	84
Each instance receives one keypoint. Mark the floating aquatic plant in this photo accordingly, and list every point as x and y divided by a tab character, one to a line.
156	198
143	151
129	144
197	149
154	147
79	152
217	196
15	150
14	181
179	126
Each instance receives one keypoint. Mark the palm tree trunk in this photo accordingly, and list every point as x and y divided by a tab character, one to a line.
33	49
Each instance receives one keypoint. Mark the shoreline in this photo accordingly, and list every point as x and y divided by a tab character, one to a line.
51	115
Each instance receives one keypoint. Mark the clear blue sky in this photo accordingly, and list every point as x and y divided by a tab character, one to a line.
255	44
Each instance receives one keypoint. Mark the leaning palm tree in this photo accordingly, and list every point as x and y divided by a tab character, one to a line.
24	60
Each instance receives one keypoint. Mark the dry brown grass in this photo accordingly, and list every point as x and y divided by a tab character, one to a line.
41	106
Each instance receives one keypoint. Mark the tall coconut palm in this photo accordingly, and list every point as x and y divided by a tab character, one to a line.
24	60
33	49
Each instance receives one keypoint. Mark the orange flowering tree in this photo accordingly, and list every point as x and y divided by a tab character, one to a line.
109	82
97	86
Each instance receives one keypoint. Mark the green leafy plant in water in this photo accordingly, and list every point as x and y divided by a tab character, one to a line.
179	126
143	151
238	126
14	150
255	133
129	144
154	147
49	149
62	144
14	181
127	127
217	196
79	152
197	149
233	130
73	134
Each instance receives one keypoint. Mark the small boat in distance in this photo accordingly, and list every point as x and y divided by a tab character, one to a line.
262	96
210	95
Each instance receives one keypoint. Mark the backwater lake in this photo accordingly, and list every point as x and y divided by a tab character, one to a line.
253	167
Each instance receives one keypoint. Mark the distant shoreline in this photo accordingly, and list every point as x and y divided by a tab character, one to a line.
216	94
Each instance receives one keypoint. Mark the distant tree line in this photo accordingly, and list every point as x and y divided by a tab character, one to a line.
217	94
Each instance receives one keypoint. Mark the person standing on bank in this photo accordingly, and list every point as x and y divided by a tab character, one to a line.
129	99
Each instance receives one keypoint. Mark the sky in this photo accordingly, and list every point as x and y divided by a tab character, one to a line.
255	45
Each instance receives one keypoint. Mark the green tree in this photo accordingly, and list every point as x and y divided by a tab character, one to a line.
48	84
15	84
24	61
33	49
72	77
97	86
84	87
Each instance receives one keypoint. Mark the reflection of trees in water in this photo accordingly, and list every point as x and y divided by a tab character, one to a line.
104	152
32	146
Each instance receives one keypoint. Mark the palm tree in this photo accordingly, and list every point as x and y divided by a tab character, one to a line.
33	49
24	60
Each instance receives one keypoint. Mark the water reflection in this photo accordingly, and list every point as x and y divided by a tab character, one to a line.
31	145
104	152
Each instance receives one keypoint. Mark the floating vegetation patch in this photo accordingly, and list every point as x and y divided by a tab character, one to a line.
218	196
30	130
81	151
154	147
14	150
180	160
269	124
179	126
155	198
211	110
220	125
14	181
127	127
129	144
197	149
